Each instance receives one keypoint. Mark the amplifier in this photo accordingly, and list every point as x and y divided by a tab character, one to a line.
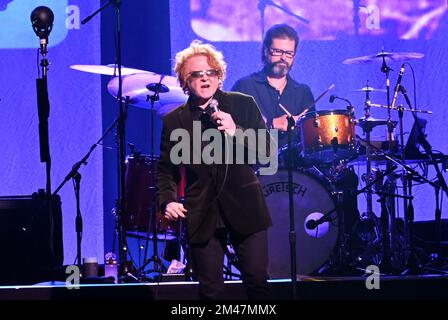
31	239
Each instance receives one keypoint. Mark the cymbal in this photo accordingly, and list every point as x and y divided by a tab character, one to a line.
369	89
109	70
372	122
388	56
141	85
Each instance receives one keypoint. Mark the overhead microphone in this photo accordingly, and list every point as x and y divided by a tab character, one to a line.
397	86
42	22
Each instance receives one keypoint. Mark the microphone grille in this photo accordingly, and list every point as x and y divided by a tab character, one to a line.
214	105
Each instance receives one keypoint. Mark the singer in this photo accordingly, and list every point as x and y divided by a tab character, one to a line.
223	202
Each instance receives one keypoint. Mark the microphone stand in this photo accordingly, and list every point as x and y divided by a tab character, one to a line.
43	106
76	176
292	231
121	201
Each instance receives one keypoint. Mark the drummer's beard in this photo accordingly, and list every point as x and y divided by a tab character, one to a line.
278	69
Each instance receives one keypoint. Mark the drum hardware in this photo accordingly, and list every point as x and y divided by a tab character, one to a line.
438	186
412	262
158	266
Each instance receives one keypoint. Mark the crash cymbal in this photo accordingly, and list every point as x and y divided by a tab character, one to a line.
388	56
110	69
369	89
141	85
371	122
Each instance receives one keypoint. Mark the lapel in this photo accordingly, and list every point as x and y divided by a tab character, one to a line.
185	118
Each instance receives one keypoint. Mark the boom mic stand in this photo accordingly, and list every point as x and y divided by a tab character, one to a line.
74	174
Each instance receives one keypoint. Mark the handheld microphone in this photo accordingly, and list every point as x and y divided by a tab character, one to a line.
214	105
397	86
42	21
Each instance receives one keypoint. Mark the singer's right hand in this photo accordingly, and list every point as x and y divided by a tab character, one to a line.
175	210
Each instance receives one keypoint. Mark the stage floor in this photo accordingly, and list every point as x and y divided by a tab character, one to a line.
308	288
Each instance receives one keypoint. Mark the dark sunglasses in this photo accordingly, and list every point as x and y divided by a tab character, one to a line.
200	74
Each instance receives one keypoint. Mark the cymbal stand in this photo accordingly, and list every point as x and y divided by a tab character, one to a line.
158	266
367	130
385	264
407	207
121	129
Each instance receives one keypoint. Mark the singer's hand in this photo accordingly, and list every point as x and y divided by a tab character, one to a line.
225	122
281	123
175	210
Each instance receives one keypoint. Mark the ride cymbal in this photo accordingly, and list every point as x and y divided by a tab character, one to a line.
388	56
140	87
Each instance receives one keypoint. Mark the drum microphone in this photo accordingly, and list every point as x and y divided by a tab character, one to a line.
313	224
397	86
333	97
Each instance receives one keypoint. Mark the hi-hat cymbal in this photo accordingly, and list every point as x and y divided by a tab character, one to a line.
141	85
110	69
388	56
369	89
371	122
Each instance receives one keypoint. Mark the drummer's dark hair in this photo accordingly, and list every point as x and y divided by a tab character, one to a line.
278	31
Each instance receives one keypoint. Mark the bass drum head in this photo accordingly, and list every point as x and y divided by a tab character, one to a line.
311	201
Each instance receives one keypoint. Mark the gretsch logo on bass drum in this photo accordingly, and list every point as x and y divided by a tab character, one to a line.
282	186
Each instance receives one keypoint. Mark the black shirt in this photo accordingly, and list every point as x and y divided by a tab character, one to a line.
296	97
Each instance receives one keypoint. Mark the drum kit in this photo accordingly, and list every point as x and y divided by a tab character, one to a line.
332	236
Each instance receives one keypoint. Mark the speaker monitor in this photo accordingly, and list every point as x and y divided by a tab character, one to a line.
30	239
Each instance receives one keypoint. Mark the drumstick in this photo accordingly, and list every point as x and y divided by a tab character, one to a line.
284	109
308	108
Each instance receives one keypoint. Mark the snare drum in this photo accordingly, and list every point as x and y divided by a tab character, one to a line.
327	135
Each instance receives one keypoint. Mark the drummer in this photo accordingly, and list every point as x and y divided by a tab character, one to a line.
272	86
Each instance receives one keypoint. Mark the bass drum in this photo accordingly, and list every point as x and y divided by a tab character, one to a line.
316	239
